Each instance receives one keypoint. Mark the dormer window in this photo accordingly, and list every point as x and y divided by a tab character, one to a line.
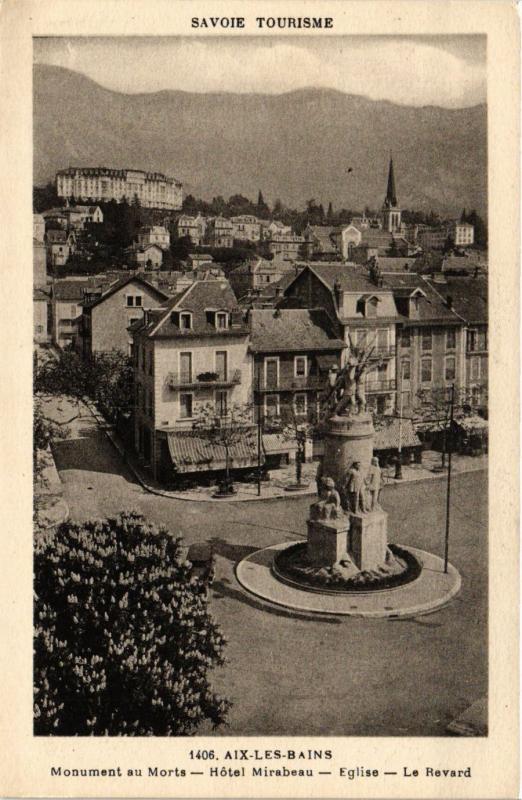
221	320
185	321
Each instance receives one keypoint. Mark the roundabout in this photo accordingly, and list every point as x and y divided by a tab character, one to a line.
430	591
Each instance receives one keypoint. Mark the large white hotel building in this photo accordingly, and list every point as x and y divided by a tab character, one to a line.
99	184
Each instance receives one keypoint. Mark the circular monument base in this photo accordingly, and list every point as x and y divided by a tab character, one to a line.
431	590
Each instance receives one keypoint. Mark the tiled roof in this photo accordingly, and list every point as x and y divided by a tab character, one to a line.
192	453
117	285
198	298
351	278
76	289
56	237
433	307
292	329
469	297
387	438
394	264
371	237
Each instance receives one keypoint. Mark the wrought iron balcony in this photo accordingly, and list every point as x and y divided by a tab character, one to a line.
175	381
293	384
373	386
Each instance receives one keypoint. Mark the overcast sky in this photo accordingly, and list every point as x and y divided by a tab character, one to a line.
448	71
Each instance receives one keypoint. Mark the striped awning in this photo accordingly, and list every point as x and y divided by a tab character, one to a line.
388	437
274	443
192	453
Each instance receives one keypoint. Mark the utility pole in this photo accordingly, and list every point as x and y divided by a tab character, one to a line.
398	466
259	430
449	440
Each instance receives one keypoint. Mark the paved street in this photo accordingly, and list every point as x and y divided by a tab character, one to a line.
300	676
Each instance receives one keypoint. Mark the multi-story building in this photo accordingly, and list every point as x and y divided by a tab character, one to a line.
147	256
154	234
39	264
220	232
190	356
193	227
60	245
40	315
432	238
255	274
345	237
107	315
362	313
67	296
80	216
99	184
430	340
246	228
319	242
468	297
285	246
38	227
294	351
462	233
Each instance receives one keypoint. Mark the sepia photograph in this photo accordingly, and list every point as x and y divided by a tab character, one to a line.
260	304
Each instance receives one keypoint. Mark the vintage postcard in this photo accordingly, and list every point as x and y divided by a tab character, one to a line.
265	543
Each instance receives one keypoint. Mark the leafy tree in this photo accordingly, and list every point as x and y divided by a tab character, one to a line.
297	428
123	639
330	217
45	197
225	428
262	209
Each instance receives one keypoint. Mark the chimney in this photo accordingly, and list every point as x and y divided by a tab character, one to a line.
338	293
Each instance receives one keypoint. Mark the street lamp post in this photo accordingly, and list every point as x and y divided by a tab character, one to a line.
449	439
398	466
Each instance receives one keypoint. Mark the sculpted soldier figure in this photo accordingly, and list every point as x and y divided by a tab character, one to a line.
373	483
329	506
355	487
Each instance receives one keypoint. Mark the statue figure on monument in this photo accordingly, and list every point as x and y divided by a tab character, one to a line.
329	504
355	489
347	395
373	484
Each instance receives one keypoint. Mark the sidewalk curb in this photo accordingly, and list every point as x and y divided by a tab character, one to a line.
104	425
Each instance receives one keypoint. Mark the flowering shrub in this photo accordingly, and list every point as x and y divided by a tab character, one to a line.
123	638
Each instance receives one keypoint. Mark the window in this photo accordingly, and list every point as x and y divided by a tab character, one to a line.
185	406
426	340
300	404
221	403
382	339
482	340
405	338
451	339
475	369
137	300
426	370
222	320
272	405
143	359
221	364
151	362
471	340
271	373
185	321
406	370
73	312
449	369
300	366
185	367
130	300
360	337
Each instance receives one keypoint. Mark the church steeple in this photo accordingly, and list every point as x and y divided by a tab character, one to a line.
391	194
391	213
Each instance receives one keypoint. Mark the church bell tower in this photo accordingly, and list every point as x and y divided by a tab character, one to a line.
391	213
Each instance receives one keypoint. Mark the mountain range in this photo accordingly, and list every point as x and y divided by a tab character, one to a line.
310	143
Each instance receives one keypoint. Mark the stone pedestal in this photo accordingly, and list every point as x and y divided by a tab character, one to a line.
327	541
347	439
368	539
